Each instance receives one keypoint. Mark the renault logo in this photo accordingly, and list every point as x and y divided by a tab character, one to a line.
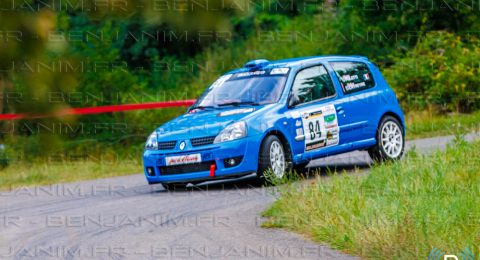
182	145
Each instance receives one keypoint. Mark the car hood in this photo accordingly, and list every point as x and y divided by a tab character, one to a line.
202	124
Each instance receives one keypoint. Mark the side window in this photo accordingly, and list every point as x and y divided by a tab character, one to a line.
312	84
353	76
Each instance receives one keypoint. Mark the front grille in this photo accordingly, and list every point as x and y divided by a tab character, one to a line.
186	168
202	140
166	145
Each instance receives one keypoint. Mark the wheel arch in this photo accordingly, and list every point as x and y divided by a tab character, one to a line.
375	151
394	115
280	136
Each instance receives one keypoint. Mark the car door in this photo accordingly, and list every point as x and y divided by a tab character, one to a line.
314	114
358	99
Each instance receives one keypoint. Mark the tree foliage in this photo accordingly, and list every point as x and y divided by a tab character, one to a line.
439	73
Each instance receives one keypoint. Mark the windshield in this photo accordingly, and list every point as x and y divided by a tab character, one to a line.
249	88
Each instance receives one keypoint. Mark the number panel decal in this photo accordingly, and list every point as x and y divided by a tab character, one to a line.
320	127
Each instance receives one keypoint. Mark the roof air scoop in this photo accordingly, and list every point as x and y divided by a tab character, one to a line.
255	64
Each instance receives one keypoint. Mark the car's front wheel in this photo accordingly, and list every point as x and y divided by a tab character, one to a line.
390	141
274	158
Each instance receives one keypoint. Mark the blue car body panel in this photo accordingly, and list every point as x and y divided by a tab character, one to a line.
358	116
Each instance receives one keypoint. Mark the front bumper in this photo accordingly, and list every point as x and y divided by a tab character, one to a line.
215	154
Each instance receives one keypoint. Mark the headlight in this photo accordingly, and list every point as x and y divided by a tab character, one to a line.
232	132
152	143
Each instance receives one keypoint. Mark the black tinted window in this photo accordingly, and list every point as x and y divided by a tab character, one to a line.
353	76
313	83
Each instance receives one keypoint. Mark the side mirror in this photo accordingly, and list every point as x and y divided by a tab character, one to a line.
293	100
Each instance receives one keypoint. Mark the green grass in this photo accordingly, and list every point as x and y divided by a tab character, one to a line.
400	210
43	173
423	124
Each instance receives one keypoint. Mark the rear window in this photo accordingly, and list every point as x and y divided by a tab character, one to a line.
353	76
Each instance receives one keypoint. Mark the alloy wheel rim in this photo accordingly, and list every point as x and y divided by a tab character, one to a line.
277	159
392	139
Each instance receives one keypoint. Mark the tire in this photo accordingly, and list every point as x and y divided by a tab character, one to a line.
390	141
174	186
275	157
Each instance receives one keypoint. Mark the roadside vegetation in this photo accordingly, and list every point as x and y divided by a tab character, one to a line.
424	124
400	210
45	173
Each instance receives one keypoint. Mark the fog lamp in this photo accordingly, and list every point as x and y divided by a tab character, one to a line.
234	161
150	171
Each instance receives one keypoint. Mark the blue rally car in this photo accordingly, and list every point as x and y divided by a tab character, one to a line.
278	116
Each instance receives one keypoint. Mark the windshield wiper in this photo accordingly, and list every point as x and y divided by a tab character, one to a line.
237	103
202	107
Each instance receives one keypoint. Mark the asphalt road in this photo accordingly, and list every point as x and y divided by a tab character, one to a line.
124	218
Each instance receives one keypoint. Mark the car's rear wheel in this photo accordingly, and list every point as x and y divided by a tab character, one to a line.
273	158
390	141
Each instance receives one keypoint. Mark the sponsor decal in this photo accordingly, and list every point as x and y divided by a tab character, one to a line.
298	123
320	127
279	71
250	73
332	141
366	76
312	114
352	86
236	111
316	145
329	135
330	118
346	78
183	159
329	110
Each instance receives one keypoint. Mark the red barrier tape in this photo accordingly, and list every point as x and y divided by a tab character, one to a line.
102	109
10	117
